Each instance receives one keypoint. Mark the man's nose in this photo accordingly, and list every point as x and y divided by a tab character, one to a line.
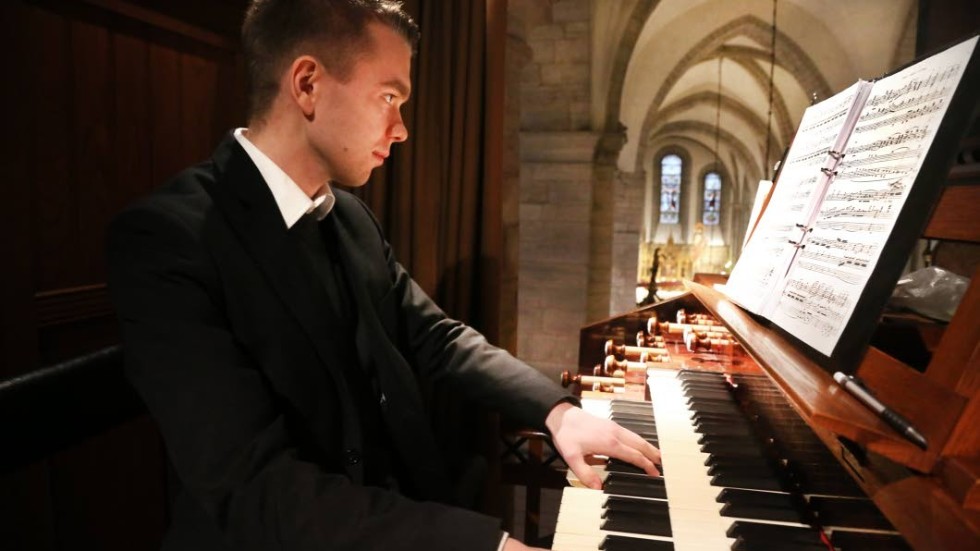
398	132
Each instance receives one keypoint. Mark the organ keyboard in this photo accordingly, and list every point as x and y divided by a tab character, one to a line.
720	491
749	460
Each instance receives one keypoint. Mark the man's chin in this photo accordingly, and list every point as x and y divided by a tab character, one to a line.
354	182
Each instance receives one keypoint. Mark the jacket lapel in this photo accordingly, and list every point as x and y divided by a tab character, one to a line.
248	205
404	412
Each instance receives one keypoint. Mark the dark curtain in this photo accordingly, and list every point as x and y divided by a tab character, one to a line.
439	211
438	200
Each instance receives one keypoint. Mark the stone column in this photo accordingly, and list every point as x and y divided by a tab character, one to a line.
556	204
628	193
603	220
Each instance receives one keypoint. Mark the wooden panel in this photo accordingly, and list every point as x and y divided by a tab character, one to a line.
956	363
110	490
965	440
917	398
95	118
955	215
164	97
68	305
936	521
94	174
198	105
132	120
18	48
812	391
962	477
57	252
26	515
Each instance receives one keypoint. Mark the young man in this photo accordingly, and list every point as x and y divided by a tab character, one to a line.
275	339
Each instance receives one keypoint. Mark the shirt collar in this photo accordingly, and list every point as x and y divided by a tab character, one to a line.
293	203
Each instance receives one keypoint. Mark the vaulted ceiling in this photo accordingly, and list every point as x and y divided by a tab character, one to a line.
696	73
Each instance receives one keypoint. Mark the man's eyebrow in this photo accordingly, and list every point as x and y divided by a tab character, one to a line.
398	85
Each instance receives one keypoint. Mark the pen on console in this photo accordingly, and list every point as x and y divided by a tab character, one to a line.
896	421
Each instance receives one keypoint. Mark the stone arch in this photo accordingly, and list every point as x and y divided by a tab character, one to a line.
624	53
788	55
728	104
724	136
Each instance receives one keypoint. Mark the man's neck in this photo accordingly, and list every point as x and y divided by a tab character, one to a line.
285	148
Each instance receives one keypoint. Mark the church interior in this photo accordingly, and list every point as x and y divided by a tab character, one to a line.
566	159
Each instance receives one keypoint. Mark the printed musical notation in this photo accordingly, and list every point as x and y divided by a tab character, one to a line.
843	187
876	112
852	227
857	211
839	244
815	304
813	316
809	292
899	138
901	118
913	84
837	273
893	190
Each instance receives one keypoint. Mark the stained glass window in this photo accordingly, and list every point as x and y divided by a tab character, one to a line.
712	199
670	189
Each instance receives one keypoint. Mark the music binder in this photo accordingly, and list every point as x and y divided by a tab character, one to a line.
857	187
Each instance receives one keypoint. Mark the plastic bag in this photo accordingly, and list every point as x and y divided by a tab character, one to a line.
932	292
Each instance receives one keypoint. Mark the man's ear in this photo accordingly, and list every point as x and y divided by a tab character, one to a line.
305	82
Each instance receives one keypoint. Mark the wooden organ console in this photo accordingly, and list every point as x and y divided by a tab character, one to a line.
762	449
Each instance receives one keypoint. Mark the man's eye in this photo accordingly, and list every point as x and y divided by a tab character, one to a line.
389	98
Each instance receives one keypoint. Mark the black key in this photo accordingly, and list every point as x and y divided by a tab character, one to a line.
769	483
743	545
627	406
727	463
849	513
625	543
718	408
729	449
741	503
753	532
635	505
633	485
862	541
618	466
753	469
636	523
721	427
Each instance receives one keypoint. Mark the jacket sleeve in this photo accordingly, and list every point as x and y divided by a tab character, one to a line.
439	346
223	428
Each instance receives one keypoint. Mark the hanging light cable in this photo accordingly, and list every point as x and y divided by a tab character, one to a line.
772	68
717	167
718	112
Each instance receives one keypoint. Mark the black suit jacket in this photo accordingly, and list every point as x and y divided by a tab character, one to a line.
227	342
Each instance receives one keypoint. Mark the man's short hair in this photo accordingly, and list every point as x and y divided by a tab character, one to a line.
275	32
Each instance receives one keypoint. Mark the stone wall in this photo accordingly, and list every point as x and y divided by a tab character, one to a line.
556	194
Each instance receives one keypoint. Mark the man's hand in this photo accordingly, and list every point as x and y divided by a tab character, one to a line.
513	545
577	434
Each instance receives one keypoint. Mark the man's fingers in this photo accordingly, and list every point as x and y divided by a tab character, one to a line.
634	456
636	441
584	472
639	452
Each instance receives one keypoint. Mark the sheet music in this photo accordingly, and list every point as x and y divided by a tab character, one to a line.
769	252
885	152
761	194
